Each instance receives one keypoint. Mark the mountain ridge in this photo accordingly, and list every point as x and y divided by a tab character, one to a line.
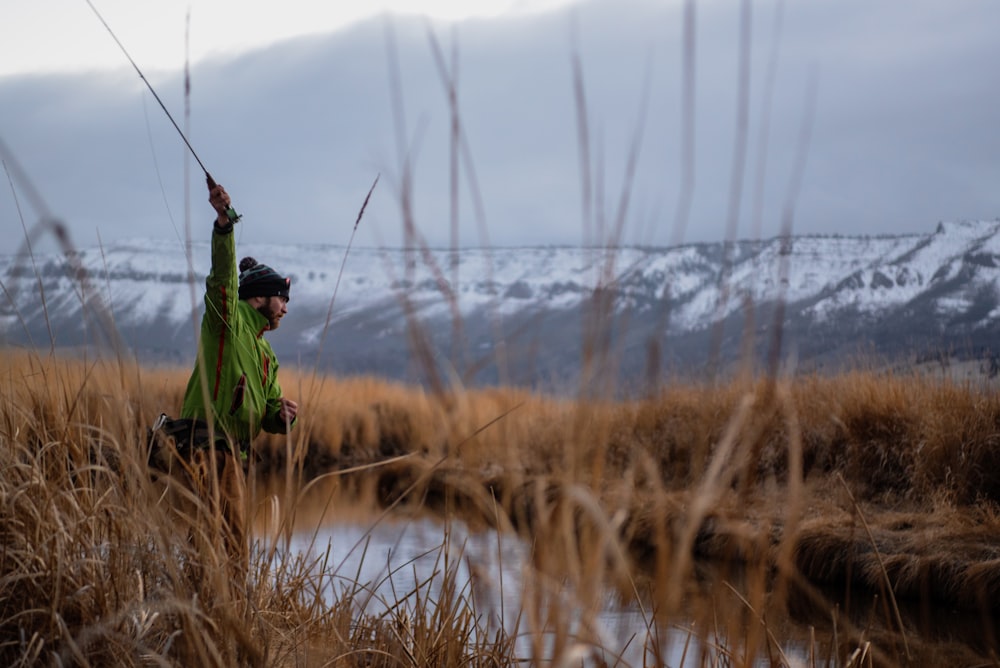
533	314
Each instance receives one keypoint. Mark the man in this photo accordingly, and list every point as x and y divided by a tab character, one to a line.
233	392
235	377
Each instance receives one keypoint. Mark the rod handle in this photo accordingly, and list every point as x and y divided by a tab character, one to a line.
230	212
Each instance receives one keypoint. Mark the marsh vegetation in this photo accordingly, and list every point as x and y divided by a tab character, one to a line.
850	510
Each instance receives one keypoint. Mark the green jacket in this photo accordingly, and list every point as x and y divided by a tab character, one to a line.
235	378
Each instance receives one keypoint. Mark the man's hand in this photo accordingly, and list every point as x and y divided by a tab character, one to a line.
219	199
289	409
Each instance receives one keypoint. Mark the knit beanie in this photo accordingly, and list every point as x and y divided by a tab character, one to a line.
259	280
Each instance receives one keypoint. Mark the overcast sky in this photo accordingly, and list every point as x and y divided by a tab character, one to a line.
294	112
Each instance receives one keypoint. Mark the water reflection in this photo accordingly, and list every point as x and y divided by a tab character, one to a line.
357	547
384	556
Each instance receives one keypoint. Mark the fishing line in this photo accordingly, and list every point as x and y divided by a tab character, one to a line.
230	212
159	177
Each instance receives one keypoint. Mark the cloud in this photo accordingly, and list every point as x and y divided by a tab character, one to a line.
902	134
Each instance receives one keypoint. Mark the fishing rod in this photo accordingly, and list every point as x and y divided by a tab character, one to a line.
230	211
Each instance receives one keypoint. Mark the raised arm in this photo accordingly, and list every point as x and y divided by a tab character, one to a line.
222	285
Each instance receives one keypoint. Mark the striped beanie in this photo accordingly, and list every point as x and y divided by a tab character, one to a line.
259	280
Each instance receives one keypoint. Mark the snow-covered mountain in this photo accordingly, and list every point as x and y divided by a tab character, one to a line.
534	315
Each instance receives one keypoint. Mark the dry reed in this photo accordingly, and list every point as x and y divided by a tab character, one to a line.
628	495
97	569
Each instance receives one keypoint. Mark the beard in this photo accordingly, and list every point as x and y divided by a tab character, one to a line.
273	317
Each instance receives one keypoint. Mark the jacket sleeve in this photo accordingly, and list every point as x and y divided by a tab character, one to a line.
222	288
272	422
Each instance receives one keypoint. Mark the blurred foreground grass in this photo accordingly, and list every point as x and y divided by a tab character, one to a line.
886	482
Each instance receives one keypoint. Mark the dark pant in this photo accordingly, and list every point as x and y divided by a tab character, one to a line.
169	437
208	485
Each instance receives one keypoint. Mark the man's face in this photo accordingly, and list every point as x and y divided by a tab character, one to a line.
274	309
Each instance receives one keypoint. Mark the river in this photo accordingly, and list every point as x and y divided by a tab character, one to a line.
385	557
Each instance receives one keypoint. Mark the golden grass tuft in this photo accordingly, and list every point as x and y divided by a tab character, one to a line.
884	482
96	569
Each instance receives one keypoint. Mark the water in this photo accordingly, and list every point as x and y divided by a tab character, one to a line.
383	558
380	558
387	558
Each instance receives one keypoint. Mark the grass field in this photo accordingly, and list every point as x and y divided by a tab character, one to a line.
882	484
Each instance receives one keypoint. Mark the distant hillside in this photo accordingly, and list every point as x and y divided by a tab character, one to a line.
533	315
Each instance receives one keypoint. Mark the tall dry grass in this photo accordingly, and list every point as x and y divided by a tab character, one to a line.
875	481
96	568
899	443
